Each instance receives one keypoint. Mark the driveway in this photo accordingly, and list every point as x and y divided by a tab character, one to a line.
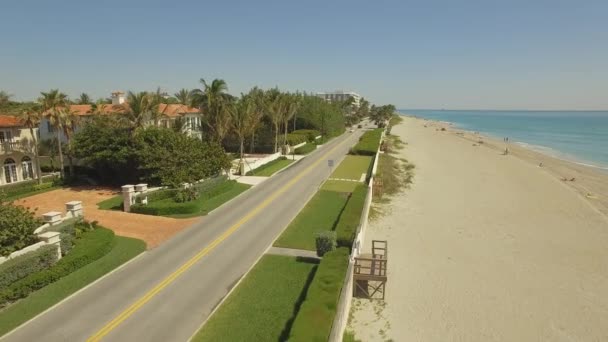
151	229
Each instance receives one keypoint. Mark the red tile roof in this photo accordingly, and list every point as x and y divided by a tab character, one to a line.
10	121
171	110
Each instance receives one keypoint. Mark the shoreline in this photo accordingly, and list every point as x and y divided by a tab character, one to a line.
542	149
487	246
590	181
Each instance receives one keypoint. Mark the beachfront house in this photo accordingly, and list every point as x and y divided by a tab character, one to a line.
16	151
168	114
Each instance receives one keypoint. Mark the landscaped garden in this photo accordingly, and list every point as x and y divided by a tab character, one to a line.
33	282
270	168
263	306
29	188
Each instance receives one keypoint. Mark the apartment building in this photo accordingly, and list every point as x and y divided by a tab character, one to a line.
341	95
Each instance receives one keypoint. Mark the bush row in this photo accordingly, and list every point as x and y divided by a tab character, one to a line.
294	139
92	246
265	166
310	134
24	265
368	143
30	186
306	149
350	217
316	315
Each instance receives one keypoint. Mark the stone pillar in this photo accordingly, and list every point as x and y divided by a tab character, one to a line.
74	208
52	217
140	189
52	238
127	197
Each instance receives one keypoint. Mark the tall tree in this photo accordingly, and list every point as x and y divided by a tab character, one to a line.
291	103
31	118
212	100
5	98
84	99
274	105
69	123
52	102
140	106
256	95
242	116
184	96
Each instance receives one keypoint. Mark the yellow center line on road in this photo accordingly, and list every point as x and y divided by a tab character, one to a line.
183	268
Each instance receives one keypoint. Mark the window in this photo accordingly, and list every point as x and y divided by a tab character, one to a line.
26	168
10	171
49	127
6	136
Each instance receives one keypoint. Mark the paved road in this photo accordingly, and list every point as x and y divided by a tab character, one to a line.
176	311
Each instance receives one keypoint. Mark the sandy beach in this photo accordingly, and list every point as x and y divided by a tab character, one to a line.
490	247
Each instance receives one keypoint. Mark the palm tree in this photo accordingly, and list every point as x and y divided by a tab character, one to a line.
52	102
291	102
274	105
69	122
5	98
184	96
84	99
212	100
257	96
140	106
241	114
31	118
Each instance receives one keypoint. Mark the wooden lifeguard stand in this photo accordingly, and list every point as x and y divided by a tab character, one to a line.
369	272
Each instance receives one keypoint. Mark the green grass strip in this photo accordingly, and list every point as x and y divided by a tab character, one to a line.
27	308
271	168
320	214
352	167
113	203
206	205
340	186
263	306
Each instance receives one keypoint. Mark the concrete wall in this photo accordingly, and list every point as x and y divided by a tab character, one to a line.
346	296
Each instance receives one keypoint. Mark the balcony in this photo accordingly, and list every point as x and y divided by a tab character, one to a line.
12	146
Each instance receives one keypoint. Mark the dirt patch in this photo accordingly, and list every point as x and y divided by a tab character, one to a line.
152	229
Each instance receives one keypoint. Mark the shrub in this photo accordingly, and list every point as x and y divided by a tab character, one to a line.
43	186
294	139
310	134
306	149
350	217
25	187
186	195
368	144
17	225
325	242
24	265
316	315
91	247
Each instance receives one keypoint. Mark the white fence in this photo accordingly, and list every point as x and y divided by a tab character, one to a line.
346	295
53	218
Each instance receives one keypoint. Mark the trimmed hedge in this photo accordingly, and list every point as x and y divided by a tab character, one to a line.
294	139
316	315
92	246
24	265
368	143
164	204
306	149
310	134
25	187
351	216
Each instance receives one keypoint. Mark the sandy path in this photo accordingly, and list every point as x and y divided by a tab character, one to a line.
486	247
152	229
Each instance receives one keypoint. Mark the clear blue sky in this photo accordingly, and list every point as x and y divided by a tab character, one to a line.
415	54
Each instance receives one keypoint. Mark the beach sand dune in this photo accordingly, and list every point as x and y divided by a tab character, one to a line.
487	247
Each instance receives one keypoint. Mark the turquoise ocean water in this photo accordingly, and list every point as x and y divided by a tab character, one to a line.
578	136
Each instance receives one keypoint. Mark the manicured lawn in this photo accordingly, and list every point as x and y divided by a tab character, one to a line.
340	186
352	167
321	213
36	302
114	203
269	169
263	306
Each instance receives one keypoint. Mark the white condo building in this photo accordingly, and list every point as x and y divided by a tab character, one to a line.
341	95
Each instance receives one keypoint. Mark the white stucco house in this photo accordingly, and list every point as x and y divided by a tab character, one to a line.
16	151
